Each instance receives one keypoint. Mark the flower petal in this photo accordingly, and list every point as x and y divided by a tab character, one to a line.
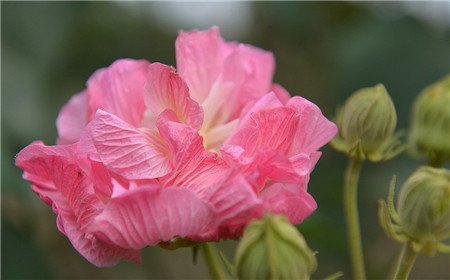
200	57
60	181
267	101
250	70
194	167
271	128
54	170
149	215
163	90
89	246
127	151
118	90
246	76
294	206
72	119
234	200
265	164
313	131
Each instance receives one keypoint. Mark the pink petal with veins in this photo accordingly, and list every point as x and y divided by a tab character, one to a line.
149	215
194	167
271	128
163	90
313	131
130	152
234	200
57	177
200	56
294	206
118	90
250	70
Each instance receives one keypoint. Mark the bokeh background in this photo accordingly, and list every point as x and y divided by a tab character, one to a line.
324	52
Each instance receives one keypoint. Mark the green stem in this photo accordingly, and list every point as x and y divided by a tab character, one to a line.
407	258
213	262
351	213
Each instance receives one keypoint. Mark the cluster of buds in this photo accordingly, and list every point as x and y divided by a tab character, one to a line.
366	125
272	248
429	134
422	217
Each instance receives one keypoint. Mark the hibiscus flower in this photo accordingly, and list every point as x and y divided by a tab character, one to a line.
149	154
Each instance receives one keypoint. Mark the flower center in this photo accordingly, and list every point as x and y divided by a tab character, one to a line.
214	136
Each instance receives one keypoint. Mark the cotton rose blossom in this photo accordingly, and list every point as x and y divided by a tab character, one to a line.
146	153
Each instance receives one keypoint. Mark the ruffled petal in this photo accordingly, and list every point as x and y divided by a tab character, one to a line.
271	128
54	171
267	101
246	76
118	90
296	207
89	246
58	178
260	147
250	70
194	167
303	164
149	215
163	90
313	131
234	200
264	164
130	152
72	119
200	57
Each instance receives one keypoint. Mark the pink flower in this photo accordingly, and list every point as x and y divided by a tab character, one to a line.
146	154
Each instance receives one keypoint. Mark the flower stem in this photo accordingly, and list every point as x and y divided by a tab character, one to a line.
213	262
351	213
407	258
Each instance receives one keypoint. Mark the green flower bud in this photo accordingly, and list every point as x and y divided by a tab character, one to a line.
423	208
366	125
430	123
272	248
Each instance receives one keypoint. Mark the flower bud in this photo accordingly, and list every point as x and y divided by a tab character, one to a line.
366	125
272	248
430	123
423	208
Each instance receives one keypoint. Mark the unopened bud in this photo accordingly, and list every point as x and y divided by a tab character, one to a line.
272	248
430	123
424	208
366	125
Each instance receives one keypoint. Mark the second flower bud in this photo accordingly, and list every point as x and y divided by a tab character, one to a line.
366	126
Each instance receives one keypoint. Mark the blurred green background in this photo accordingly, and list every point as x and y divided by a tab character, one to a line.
324	52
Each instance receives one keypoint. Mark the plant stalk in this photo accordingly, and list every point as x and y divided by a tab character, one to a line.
407	259
352	217
213	262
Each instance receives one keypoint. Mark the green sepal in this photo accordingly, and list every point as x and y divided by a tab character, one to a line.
230	267
334	276
443	248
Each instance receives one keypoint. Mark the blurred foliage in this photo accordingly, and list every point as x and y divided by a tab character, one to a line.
324	52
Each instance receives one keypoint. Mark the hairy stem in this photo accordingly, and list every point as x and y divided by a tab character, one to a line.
351	213
213	262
